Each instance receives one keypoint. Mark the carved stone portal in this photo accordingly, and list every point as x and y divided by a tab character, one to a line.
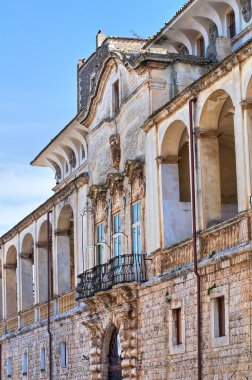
115	150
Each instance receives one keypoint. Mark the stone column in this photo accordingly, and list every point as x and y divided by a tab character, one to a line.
210	177
152	211
247	120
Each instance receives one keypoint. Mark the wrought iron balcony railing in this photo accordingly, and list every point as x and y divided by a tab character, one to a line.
118	270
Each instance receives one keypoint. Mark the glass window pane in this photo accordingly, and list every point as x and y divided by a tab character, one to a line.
138	239
9	367
138	212
42	359
63	354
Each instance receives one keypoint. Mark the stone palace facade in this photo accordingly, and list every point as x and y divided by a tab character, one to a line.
106	280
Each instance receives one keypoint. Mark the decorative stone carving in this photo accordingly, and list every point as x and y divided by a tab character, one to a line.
120	311
211	53
115	150
246	10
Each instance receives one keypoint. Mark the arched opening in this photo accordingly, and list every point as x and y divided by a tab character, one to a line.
1	291
27	272
114	357
248	124
111	355
175	178
43	263
65	250
218	159
11	281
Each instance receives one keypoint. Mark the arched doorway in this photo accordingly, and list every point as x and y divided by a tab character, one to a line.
114	357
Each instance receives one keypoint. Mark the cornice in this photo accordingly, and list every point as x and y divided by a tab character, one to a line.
198	86
81	180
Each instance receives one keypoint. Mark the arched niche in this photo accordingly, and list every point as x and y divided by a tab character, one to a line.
43	262
218	159
65	250
11	281
27	272
175	179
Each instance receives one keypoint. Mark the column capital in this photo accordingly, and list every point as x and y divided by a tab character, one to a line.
246	103
168	159
61	232
206	133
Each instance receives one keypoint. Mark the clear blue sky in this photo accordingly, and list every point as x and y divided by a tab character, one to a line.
41	42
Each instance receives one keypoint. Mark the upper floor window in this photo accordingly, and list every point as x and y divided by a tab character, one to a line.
136	228
231	24
115	97
117	234
100	254
201	47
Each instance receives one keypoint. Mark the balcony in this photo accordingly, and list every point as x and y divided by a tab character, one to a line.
118	270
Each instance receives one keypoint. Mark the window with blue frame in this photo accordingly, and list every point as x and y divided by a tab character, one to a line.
136	230
100	252
117	235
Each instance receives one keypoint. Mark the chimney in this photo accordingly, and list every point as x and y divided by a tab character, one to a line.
100	37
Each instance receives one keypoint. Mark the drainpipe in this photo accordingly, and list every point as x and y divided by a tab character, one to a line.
49	294
194	233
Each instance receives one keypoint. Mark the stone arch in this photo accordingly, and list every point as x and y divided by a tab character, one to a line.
218	158
249	89
27	272
107	344
43	263
1	290
65	250
175	179
11	281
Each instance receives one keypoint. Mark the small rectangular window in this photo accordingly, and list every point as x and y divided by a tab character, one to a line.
115	97
219	317
231	24
42	359
177	320
9	367
25	364
63	358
